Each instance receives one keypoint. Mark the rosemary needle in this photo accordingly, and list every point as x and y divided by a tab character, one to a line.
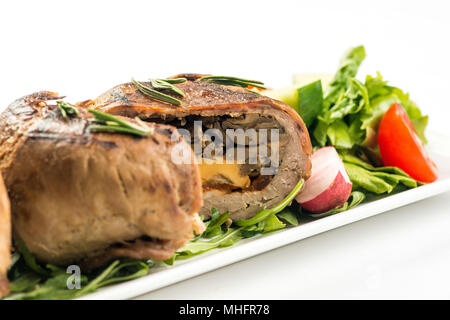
154	94
164	84
175	80
233	81
108	122
67	109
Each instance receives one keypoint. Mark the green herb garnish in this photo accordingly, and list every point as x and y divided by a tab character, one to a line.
30	261
154	94
175	80
28	285
66	109
167	84
109	122
218	235
233	81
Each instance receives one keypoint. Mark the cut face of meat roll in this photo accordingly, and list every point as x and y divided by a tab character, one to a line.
251	150
5	238
82	196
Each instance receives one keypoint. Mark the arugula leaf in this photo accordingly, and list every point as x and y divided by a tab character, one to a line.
29	259
253	230
54	288
193	248
288	215
25	282
272	223
214	226
124	271
32	285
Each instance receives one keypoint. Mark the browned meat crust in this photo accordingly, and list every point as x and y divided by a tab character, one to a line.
138	249
206	100
74	192
5	238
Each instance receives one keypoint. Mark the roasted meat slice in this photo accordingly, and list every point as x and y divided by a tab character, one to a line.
5	238
78	195
240	186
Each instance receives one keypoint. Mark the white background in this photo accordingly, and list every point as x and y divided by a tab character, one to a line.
82	48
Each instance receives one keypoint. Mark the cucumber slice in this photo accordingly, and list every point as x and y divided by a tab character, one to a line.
302	79
306	100
288	95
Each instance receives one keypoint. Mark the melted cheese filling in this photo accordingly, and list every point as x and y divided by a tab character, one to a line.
223	173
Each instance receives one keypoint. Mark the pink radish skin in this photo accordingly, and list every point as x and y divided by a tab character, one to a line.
329	185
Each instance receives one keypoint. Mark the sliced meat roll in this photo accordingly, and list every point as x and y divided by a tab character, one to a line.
242	187
77	195
5	238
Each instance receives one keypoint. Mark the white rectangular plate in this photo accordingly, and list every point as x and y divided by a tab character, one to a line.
439	149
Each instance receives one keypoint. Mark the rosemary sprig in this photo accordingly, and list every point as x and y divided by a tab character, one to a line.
233	81
109	122
164	84
154	94
175	80
67	109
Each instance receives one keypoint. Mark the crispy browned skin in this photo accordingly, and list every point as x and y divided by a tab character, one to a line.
213	100
77	195
5	238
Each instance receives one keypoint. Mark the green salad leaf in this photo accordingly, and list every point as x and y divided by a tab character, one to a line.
29	259
375	179
218	235
382	96
310	102
352	110
28	282
226	239
353	100
214	225
289	215
348	68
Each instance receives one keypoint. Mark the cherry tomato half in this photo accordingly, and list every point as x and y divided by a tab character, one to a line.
401	147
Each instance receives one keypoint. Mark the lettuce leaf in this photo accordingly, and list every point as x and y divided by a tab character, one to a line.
377	180
352	101
382	96
348	68
352	111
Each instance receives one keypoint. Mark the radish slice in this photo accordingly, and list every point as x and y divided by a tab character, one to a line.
329	185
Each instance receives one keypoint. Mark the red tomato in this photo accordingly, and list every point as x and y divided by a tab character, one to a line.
401	147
